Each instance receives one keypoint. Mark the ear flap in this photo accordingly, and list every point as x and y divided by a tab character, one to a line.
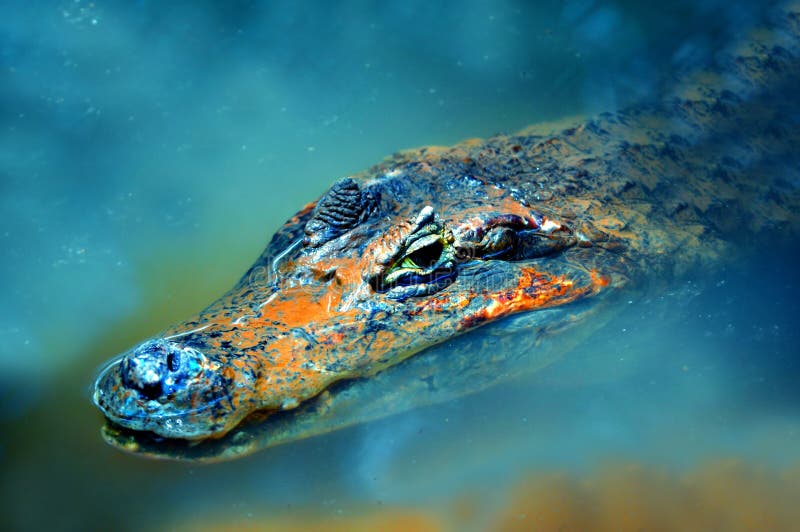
343	207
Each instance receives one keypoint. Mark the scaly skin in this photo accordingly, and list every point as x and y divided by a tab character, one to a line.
435	242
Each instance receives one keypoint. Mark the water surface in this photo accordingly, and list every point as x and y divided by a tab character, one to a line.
149	150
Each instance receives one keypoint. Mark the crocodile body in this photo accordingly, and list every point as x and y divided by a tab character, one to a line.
365	302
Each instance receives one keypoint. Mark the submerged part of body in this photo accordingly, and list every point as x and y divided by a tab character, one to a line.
435	242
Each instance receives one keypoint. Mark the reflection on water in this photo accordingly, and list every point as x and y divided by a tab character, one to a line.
725	495
149	151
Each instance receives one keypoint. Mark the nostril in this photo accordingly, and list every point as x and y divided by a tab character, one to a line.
157	369
173	362
143	379
144	370
151	390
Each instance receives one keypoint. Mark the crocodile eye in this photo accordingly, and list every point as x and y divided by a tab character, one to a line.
424	258
428	260
424	261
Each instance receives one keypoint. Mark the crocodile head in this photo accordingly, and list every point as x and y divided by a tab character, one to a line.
379	269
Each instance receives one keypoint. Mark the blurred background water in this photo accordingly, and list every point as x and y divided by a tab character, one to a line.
148	150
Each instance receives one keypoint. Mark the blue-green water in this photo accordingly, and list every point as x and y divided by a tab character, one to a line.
148	150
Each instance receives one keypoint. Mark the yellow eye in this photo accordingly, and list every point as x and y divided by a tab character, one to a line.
408	263
422	258
424	254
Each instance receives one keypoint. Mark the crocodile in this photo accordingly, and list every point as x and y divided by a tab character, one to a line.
442	271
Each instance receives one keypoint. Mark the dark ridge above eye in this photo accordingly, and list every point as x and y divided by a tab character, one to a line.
342	208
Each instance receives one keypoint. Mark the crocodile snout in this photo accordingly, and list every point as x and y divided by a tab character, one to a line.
156	367
146	368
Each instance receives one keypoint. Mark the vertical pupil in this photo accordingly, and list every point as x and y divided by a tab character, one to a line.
172	362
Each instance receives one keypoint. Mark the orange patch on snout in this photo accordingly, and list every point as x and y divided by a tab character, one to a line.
228	372
599	279
535	290
304	305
